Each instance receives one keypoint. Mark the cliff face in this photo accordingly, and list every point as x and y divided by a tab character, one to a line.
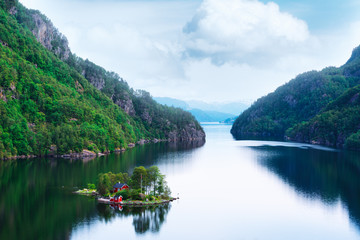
189	132
47	34
124	101
137	104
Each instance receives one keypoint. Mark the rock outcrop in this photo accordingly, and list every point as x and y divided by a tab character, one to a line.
188	133
125	103
49	36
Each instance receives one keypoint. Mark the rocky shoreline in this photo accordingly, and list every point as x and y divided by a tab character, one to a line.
137	203
89	155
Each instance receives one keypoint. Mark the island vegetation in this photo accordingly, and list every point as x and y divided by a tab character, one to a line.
145	184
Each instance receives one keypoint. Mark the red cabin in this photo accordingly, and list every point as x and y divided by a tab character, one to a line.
116	207
120	186
116	199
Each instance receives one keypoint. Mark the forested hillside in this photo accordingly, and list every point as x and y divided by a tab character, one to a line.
48	106
310	108
337	125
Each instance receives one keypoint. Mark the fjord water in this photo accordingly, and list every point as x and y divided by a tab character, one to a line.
228	190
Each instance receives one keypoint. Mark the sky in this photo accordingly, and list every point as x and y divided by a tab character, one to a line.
208	50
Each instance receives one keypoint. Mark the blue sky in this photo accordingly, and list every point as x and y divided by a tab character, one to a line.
322	15
211	50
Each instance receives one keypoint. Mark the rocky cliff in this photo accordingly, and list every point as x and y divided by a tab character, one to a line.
50	37
43	30
189	132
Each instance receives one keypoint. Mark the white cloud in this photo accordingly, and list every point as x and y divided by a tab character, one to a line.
134	55
236	30
256	47
129	38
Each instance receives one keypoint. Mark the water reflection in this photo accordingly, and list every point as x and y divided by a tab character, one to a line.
36	195
326	175
145	219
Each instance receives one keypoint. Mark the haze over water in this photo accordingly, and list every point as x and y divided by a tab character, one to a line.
228	190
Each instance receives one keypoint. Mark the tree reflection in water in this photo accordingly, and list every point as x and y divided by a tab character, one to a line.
36	194
326	175
145	219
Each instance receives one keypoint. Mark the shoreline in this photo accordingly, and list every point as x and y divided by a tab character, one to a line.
89	155
136	203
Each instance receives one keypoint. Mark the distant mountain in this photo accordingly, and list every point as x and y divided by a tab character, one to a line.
210	116
315	107
172	102
206	112
234	108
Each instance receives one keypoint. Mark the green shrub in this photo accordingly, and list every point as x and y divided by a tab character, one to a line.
124	193
353	142
135	194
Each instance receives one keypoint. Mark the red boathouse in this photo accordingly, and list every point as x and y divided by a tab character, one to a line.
120	186
116	199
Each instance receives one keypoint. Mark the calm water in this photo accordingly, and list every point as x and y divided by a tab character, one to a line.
228	190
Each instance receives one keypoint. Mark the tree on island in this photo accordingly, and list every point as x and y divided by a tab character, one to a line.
106	181
148	181
138	179
154	176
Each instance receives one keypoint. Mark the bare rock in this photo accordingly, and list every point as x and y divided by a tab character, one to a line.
88	153
49	36
125	103
2	95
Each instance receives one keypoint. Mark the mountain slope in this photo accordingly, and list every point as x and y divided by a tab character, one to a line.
49	107
299	101
163	122
337	125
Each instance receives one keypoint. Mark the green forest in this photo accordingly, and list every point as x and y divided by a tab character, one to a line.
336	125
143	183
315	107
48	106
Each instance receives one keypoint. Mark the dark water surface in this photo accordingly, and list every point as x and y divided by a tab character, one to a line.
228	190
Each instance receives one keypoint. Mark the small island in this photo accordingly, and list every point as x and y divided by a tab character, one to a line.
146	186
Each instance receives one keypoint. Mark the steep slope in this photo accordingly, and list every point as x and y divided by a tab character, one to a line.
298	101
163	122
337	125
48	107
